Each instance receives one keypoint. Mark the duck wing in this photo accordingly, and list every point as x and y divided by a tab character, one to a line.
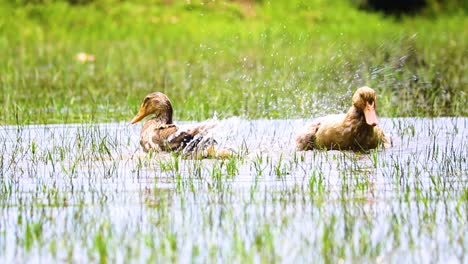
199	144
178	140
192	138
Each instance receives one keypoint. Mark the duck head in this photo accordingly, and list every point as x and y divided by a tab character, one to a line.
155	103
364	99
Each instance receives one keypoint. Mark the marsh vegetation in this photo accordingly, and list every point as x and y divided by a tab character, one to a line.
76	187
86	193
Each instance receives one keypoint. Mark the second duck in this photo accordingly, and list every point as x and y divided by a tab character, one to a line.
356	130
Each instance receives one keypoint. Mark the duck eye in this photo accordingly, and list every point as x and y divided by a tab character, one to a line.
371	101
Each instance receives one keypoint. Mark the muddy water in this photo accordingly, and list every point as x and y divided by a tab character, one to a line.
74	178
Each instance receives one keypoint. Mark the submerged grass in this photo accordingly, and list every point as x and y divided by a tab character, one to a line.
110	204
255	60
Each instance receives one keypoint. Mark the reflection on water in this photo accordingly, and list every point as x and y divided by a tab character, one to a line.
64	187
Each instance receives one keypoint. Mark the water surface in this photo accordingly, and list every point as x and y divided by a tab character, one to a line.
87	192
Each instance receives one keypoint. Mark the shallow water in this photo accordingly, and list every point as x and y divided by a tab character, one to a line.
87	192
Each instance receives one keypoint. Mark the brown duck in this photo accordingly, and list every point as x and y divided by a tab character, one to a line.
159	133
356	130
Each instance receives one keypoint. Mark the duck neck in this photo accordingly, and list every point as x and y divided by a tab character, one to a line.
166	116
355	117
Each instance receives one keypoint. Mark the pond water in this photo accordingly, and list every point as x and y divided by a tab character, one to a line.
87	192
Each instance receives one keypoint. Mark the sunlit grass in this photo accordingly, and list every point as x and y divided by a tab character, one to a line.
214	58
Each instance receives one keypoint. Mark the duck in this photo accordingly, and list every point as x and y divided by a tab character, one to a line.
356	130
160	134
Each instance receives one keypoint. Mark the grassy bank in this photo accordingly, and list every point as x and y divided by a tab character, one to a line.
266	60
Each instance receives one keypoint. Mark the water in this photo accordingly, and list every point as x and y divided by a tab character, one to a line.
86	192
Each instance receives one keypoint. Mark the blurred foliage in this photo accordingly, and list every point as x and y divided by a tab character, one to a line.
273	59
149	2
423	7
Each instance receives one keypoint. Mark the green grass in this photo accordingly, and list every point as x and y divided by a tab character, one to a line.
84	193
276	60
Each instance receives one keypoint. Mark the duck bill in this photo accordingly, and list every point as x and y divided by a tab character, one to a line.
141	114
370	115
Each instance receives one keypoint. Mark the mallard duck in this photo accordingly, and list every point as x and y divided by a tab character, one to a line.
159	133
356	130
